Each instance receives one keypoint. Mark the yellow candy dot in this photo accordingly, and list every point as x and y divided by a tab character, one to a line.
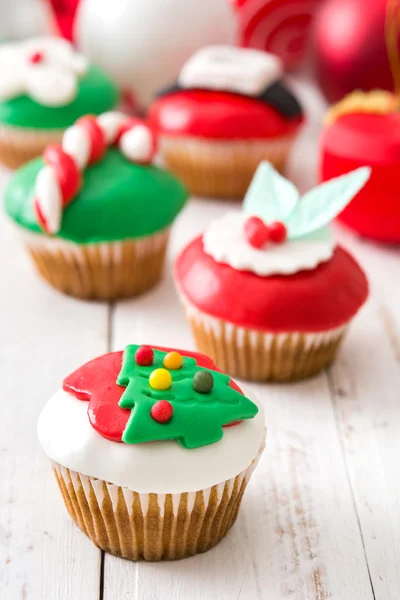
160	379
173	360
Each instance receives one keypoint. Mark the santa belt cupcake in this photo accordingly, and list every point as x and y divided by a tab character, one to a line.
95	213
152	450
267	291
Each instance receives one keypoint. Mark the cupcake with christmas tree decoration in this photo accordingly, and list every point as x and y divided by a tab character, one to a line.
45	86
152	450
229	110
267	290
94	213
364	129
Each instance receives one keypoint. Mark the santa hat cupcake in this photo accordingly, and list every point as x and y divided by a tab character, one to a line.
152	450
94	213
45	86
268	292
229	110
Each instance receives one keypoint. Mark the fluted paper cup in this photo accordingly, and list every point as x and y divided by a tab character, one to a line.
152	527
259	355
102	271
19	145
221	168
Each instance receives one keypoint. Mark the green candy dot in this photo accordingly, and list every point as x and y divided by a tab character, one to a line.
203	382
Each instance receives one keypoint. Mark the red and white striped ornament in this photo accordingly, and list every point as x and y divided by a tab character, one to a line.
83	144
278	26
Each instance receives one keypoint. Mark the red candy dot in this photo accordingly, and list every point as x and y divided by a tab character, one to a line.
162	411
144	356
36	58
256	231
277	232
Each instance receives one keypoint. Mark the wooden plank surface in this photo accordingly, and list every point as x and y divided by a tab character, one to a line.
321	517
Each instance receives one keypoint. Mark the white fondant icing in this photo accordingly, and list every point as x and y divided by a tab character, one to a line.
76	142
137	144
226	242
48	190
241	70
52	81
162	467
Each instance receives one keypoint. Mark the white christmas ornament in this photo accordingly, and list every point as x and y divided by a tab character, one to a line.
46	69
144	44
239	70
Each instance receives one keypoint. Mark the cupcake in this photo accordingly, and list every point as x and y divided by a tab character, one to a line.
45	86
268	292
94	213
364	129
152	450
229	111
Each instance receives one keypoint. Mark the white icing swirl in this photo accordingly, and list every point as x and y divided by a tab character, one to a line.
51	80
68	438
226	242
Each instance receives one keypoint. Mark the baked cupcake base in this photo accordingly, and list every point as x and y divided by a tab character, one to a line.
152	527
259	355
18	145
103	271
221	168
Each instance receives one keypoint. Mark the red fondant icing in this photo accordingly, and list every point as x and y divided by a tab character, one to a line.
98	144
222	115
95	382
355	140
309	301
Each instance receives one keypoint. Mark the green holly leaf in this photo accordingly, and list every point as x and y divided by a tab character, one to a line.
197	418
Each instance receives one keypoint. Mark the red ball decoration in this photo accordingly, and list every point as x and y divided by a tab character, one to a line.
277	232
256	231
144	356
351	50
162	411
36	58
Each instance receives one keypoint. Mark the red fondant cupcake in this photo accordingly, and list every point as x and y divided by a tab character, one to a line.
364	129
267	291
229	111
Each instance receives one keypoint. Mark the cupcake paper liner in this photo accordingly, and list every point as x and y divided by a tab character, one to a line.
18	145
263	356
99	271
221	169
152	527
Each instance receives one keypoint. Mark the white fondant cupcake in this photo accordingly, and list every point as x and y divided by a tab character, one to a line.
179	493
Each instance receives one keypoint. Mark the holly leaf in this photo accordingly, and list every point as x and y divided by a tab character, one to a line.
323	203
270	196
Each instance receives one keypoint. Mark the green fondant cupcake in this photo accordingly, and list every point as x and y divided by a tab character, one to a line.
45	87
94	212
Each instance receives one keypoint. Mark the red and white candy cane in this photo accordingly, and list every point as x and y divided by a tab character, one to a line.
83	144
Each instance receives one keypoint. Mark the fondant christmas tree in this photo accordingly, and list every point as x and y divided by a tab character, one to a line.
171	397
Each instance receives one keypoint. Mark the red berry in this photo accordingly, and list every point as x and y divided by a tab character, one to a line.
277	232
256	231
162	411
144	356
36	58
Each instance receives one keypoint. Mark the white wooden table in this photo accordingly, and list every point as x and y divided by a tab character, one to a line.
321	517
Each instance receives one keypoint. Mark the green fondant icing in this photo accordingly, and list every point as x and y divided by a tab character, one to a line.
273	198
96	94
118	200
197	418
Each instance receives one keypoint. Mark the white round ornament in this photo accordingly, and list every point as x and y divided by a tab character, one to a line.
143	44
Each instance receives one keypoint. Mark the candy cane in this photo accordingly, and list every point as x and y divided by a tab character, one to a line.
84	144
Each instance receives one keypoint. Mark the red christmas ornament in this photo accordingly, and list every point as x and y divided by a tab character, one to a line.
162	411
144	356
277	232
36	58
256	232
278	26
356	42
